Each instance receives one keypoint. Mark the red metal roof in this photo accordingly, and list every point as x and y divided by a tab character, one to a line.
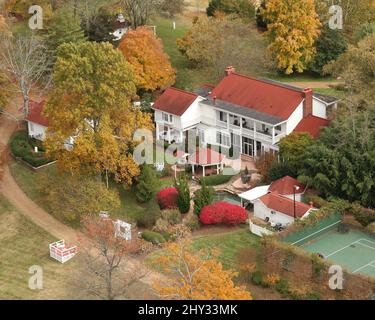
36	113
284	205
175	101
205	157
266	97
284	186
312	125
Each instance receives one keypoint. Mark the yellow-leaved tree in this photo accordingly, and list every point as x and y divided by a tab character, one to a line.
293	27
196	275
145	52
90	108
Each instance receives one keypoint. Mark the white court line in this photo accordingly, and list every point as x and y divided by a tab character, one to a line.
366	265
365	245
369	241
315	233
337	251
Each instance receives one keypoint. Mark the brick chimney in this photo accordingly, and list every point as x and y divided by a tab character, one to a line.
308	103
229	70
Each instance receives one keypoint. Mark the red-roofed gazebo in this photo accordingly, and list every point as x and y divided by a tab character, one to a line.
206	157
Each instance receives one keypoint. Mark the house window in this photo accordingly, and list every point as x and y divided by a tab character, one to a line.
167	117
234	120
273	212
278	128
222	139
201	136
222	116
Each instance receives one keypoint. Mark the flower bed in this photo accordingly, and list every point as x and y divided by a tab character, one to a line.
23	147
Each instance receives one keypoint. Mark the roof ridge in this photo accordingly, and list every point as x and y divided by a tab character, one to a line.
183	91
271	82
271	193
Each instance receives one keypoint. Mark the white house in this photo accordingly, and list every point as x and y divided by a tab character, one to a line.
37	124
275	208
243	112
121	28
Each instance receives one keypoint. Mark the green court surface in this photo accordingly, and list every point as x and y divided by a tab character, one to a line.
354	250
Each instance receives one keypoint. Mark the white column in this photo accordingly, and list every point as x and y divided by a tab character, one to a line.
157	131
181	136
192	169
255	149
204	171
255	130
273	135
169	135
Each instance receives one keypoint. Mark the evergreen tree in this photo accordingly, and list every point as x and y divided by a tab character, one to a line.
148	184
63	28
183	199
203	197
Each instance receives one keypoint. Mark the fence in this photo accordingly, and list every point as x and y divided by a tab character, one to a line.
259	231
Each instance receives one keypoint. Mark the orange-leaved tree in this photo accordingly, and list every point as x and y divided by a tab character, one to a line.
145	52
196	275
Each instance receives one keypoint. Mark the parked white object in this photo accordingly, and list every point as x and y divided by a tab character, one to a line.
123	230
62	252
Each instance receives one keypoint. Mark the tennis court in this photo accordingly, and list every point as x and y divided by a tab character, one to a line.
353	250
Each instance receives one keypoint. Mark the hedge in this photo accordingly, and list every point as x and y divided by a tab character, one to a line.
153	237
167	198
223	212
216	179
22	147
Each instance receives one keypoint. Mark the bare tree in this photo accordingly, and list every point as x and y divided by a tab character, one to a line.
138	12
24	62
111	271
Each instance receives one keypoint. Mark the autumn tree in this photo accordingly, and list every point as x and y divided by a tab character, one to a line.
356	67
110	268
264	163
71	198
216	43
91	102
24	62
293	27
196	275
292	147
144	51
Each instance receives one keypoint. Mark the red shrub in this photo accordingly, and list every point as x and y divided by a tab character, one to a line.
223	212
167	198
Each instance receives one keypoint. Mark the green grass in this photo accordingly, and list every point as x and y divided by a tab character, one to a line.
188	76
339	94
23	244
229	244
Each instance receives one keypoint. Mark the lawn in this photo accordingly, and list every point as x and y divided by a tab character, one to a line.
230	245
23	244
29	181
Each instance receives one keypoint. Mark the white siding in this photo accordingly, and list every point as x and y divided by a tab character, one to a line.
192	115
319	109
176	120
294	119
36	131
298	197
262	212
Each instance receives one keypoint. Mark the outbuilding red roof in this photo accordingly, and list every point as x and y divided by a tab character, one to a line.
312	125
260	95
175	101
284	205
36	113
206	157
285	185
